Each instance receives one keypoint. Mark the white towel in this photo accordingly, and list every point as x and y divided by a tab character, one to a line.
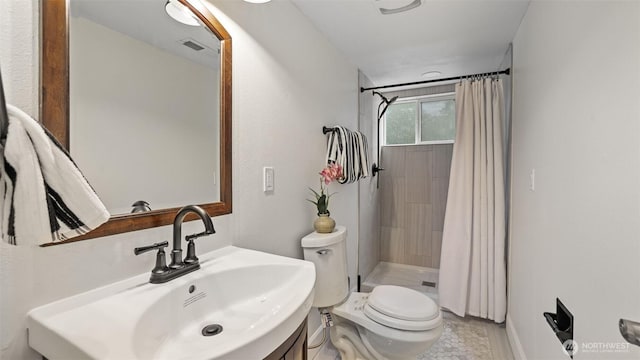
349	149
45	197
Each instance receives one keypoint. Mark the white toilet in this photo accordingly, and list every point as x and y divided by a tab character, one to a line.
391	322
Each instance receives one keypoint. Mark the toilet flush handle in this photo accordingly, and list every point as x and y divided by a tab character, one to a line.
323	251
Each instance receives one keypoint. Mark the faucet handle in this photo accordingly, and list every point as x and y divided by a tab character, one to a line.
195	236
191	257
144	249
161	260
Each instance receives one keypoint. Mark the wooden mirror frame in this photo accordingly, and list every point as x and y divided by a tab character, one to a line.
54	110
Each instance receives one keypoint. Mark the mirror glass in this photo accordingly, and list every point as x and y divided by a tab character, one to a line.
116	91
144	97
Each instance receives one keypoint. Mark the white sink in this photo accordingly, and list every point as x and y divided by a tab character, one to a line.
258	298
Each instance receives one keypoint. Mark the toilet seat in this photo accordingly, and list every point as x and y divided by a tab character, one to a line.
411	325
402	308
353	310
402	303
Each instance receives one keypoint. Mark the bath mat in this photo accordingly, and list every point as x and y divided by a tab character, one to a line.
460	340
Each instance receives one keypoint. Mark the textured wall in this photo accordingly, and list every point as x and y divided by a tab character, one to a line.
413	199
576	121
19	58
287	84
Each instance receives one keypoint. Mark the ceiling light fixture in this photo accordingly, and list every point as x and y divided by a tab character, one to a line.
431	74
385	11
180	13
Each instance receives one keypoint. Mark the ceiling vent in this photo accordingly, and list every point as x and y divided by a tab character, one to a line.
385	6
192	44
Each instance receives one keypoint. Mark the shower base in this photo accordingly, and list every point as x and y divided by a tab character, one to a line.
422	279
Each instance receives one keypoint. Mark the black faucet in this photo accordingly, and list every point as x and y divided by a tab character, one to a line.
176	253
178	267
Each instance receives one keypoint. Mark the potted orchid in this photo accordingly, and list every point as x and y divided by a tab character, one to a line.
324	223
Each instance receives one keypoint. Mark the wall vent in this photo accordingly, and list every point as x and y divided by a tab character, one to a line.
429	284
192	45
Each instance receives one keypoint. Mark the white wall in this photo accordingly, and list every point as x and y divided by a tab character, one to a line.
576	121
143	100
19	55
369	204
286	86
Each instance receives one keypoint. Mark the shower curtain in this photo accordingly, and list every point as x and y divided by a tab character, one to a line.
472	265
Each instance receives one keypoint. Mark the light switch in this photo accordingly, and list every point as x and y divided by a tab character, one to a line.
269	183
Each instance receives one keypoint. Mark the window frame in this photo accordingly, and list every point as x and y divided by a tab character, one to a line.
418	100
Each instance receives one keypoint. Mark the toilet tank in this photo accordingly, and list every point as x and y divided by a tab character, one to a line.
329	254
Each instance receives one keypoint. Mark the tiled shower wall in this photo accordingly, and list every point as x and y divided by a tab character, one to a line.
413	196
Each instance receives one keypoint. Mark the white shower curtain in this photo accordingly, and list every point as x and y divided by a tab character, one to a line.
472	265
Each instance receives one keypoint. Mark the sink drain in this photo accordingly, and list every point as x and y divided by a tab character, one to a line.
211	330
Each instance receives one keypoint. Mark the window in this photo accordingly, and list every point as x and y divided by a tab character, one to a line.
424	120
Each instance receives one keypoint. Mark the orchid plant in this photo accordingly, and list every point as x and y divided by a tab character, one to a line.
331	173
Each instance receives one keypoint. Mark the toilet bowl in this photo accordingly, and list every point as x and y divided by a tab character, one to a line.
391	322
378	330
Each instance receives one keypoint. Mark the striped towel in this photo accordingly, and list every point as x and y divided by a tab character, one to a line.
349	149
45	197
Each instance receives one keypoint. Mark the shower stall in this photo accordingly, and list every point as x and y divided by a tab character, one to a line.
413	195
406	200
403	245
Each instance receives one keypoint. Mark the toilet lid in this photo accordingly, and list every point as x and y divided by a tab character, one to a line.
402	303
412	325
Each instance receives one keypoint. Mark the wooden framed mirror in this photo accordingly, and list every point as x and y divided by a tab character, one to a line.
63	100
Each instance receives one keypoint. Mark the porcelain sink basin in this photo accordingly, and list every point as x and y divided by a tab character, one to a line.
259	300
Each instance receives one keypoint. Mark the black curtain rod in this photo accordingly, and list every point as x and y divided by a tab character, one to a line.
505	71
